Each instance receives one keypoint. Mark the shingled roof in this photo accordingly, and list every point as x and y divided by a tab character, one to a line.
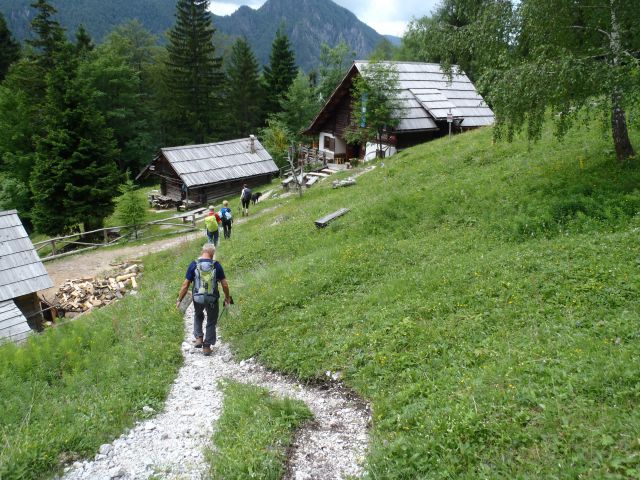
199	165
428	95
21	273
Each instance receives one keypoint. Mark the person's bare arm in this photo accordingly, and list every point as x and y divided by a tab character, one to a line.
183	291
225	289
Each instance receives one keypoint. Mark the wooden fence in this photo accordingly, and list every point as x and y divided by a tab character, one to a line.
59	244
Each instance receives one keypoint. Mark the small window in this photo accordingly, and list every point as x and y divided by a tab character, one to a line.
329	143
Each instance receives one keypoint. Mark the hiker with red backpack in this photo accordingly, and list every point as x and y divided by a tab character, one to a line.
205	273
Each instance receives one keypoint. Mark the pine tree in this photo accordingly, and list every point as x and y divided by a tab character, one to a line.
75	177
280	72
300	105
9	48
195	73
244	90
49	35
84	42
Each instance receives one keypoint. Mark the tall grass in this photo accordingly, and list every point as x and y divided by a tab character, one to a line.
79	385
484	297
253	433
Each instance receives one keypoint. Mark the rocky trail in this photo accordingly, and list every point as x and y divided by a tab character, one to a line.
171	445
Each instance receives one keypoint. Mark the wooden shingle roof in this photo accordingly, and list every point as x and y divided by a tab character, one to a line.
21	271
427	95
13	324
199	165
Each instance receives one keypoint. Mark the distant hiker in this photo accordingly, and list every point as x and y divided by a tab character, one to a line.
227	219
212	224
205	273
245	198
255	197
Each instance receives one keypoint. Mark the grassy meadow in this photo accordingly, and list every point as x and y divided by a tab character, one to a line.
253	433
485	298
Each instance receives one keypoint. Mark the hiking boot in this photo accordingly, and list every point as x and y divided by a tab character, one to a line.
207	350
197	342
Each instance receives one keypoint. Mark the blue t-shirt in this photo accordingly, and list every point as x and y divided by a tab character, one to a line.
191	270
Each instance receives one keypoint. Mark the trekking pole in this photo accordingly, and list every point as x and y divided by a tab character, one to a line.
224	308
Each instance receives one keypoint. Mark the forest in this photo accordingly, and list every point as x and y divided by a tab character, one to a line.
77	117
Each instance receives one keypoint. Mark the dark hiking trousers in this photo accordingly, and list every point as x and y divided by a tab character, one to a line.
212	319
226	227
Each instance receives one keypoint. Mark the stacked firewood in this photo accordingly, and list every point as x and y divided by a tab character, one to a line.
83	294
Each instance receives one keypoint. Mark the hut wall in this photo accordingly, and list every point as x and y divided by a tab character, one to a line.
410	139
338	122
228	190
29	305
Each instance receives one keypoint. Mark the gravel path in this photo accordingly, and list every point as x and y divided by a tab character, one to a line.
171	444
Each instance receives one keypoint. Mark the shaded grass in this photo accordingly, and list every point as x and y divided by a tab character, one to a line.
484	297
253	433
81	384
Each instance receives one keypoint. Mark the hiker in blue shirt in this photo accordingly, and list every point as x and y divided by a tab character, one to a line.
205	273
227	219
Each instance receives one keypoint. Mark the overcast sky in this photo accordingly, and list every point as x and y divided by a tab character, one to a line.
388	17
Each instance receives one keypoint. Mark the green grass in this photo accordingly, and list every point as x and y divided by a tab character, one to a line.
485	298
81	384
253	433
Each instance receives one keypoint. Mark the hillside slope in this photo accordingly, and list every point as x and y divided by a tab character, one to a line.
486	298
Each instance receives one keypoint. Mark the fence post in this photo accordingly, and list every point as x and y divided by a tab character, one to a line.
106	237
53	247
193	220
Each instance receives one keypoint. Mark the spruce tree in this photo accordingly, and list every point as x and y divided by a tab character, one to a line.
75	177
84	42
195	73
49	35
9	48
280	72
244	90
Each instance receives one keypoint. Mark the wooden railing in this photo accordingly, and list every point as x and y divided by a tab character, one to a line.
58	244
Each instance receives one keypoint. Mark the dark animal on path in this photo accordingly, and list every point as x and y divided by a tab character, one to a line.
255	197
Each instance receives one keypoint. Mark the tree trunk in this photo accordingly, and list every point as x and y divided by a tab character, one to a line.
624	149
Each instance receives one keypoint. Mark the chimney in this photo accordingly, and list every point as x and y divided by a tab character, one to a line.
252	143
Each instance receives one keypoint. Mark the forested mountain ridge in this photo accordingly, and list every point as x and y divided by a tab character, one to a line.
308	23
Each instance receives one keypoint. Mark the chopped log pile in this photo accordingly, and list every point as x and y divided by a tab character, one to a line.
156	200
84	294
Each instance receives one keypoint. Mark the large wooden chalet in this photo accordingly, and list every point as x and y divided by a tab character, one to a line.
22	275
428	96
204	173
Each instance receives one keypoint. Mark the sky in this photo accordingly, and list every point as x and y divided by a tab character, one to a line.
388	17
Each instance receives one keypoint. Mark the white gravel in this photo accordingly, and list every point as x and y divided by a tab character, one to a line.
171	444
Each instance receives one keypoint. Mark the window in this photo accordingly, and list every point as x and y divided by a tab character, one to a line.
329	143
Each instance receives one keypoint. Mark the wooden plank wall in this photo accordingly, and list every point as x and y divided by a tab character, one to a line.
227	191
29	305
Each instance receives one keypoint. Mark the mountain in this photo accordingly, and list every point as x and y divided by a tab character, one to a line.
397	41
308	23
98	16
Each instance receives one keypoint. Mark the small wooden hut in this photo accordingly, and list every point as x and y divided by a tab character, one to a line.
22	275
204	173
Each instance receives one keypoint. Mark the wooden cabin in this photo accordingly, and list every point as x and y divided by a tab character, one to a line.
428	97
22	275
204	173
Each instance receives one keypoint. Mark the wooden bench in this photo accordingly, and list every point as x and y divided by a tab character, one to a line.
324	221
